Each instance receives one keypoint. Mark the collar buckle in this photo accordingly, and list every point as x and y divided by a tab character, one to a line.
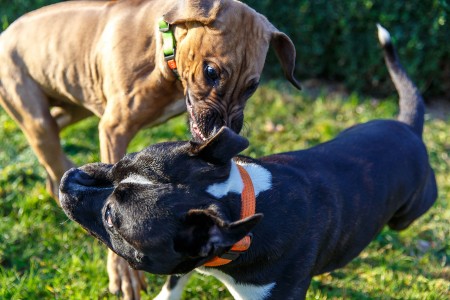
169	57
230	255
163	25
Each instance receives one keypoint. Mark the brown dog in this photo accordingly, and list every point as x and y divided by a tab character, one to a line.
64	62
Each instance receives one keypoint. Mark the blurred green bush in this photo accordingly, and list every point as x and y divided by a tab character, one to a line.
12	9
336	39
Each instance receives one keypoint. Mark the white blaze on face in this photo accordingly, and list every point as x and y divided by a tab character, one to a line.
136	179
261	179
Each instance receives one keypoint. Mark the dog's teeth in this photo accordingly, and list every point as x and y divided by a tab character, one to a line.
197	131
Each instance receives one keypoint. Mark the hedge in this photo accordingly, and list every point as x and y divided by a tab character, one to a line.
336	39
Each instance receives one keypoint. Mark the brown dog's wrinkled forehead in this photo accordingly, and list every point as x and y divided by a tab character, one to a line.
239	44
240	20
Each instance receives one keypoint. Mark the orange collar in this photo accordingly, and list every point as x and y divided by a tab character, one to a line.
248	209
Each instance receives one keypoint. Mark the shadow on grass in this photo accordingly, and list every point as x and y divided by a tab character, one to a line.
389	254
319	289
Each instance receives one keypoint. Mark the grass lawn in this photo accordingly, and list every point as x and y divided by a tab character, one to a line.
43	255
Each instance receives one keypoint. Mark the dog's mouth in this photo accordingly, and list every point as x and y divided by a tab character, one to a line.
205	123
195	129
199	130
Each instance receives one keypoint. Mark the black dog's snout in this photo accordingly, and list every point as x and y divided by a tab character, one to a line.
83	191
86	179
75	180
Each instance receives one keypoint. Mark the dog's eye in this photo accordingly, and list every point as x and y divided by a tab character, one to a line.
211	73
108	217
251	89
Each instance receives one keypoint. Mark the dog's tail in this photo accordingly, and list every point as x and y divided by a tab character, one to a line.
412	108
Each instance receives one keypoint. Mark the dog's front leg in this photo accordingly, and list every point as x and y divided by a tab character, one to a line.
114	136
116	129
123	279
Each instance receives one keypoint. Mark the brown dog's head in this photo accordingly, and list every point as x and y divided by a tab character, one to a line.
220	54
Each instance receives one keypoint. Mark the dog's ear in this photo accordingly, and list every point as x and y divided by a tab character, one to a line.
205	234
220	148
203	11
285	50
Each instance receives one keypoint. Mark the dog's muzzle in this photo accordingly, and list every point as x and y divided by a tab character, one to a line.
205	123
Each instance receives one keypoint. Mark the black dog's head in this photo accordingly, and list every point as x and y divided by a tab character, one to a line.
152	207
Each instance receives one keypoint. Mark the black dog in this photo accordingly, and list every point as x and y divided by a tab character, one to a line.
176	207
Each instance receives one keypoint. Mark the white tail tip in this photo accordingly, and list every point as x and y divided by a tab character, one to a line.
383	35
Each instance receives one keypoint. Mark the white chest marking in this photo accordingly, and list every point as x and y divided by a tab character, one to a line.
136	179
261	178
175	292
237	290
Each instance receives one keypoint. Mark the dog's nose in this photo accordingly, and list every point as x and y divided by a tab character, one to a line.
88	179
75	180
79	186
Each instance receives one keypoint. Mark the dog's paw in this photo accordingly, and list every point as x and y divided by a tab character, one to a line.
123	280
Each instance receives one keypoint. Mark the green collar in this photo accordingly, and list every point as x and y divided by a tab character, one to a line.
169	44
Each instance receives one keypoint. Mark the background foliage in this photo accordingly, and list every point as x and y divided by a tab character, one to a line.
335	39
12	9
